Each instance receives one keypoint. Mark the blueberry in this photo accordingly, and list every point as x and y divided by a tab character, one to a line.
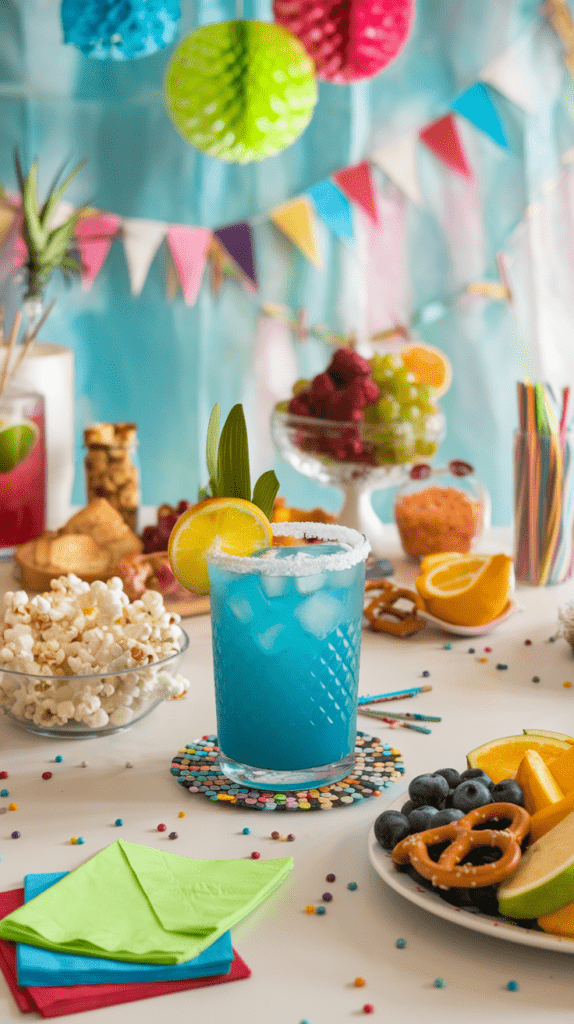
422	818
451	775
507	792
428	789
477	775
470	794
407	808
390	828
446	816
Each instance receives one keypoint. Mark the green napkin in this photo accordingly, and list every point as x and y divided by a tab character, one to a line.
133	902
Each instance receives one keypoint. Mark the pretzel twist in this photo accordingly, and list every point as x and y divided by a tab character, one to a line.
385	617
463	836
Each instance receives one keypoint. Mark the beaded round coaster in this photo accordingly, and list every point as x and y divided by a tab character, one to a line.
377	766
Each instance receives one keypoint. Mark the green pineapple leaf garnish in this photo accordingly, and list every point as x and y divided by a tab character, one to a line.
228	463
48	248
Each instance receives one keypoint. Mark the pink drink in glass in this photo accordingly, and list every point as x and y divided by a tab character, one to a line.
22	467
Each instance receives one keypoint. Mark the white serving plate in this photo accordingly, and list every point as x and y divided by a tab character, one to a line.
496	927
451	627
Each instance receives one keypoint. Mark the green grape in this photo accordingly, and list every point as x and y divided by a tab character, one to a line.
301	385
370	413
426	408
426	448
391	361
388	409
425	393
406	393
282	407
412	413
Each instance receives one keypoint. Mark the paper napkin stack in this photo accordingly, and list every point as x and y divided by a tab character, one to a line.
130	923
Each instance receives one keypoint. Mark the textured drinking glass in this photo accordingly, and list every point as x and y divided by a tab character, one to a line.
286	629
22	467
543	507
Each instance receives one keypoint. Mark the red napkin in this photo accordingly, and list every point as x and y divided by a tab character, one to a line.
55	1002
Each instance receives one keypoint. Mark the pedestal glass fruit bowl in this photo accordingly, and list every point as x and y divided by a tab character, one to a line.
359	457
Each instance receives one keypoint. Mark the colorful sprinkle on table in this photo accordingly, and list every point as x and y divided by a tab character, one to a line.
512	986
3	775
173	835
46	775
119	821
368	1008
310	908
15	835
439	983
58	758
330	877
4	792
401	943
377	766
320	911
352	886
12	807
359	982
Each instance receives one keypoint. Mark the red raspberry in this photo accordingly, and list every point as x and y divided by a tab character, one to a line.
347	364
342	407
362	392
299	405
321	388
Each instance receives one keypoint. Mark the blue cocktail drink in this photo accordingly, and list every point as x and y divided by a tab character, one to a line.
286	628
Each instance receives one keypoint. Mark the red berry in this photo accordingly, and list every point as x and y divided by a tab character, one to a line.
420	472
459	468
347	364
299	405
368	1008
255	855
321	388
161	828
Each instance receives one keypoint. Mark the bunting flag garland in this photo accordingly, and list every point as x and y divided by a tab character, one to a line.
357	183
237	240
295	219
189	247
510	74
442	138
476	105
334	207
399	162
142	239
94	236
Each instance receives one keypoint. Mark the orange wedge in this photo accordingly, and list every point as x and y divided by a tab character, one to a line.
233	525
471	590
500	758
429	365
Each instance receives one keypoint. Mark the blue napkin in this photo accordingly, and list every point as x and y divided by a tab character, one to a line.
44	967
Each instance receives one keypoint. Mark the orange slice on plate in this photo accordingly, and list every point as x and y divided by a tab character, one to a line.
429	366
500	758
235	526
471	590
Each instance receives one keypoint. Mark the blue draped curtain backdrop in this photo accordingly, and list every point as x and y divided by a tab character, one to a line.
163	364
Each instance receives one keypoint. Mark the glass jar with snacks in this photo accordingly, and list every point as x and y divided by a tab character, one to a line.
443	509
112	467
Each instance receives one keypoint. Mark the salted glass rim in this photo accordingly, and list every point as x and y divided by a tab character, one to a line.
184	640
300	564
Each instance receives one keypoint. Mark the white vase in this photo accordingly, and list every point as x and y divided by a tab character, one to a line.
49	370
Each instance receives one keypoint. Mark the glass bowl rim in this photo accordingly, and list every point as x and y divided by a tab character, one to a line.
303	421
102	675
298	563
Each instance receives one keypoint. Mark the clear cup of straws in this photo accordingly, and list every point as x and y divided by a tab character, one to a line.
543	489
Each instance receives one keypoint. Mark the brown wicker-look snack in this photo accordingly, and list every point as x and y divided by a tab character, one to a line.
382	611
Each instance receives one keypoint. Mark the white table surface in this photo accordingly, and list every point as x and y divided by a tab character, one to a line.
303	966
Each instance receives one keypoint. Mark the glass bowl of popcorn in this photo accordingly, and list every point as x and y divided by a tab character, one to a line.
81	660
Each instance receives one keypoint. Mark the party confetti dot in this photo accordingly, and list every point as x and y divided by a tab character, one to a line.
327	896
528	642
161	828
330	877
448	647
439	983
129	764
309	909
352	886
181	814
84	764
471	650
3	775
73	840
255	855
4	792
16	835
58	758
483	661
512	986
359	982
502	667
401	943
426	673
368	1008
275	835
119	821
290	837
80	840
246	831
12	807
173	835
320	911
46	775
535	679
567	685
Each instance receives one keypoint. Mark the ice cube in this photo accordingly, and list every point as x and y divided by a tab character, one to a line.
273	638
343	577
240	607
274	586
310	584
320	614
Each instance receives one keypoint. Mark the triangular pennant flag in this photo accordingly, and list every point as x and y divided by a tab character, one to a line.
94	236
172	282
398	161
189	247
443	140
296	220
476	105
357	183
237	240
511	74
142	239
334	208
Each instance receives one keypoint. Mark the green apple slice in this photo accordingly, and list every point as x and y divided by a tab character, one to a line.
544	879
16	442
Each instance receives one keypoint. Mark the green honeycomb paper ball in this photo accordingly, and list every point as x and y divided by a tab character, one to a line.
241	90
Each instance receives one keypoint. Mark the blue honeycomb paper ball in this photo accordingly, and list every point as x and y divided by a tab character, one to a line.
120	29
